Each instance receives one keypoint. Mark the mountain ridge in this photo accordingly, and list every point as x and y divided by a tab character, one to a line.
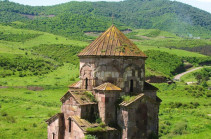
79	17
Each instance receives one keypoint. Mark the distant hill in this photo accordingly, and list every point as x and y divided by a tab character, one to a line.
75	18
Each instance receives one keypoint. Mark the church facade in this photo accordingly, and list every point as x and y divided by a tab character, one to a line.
111	100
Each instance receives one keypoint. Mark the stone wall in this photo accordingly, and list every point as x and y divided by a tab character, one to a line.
139	119
70	108
76	132
107	106
152	117
56	129
150	93
89	112
119	71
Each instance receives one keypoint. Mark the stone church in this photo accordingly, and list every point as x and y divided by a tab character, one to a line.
111	100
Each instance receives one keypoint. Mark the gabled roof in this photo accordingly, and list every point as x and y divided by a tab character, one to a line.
127	103
107	87
84	124
53	118
138	97
75	85
112	43
148	86
80	97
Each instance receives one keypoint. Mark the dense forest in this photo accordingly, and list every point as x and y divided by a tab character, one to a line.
75	18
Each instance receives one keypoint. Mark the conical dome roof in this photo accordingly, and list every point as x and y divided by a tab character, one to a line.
112	43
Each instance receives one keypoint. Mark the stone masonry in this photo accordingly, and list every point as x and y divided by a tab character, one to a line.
111	100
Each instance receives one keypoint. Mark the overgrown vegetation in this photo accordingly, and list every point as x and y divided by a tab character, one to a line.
74	18
17	37
23	66
100	128
90	137
59	52
90	96
163	62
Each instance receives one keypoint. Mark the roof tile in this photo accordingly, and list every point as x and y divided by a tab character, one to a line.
107	87
112	43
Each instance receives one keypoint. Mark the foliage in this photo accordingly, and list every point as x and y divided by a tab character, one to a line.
59	52
90	96
127	98
90	137
100	128
180	109
163	62
23	66
203	75
74	18
17	37
198	60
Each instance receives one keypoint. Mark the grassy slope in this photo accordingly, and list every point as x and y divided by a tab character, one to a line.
178	52
183	122
158	38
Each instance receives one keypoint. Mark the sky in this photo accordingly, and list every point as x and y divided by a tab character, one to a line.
201	4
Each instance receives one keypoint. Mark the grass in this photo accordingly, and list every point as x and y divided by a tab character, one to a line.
60	77
178	52
29	111
181	122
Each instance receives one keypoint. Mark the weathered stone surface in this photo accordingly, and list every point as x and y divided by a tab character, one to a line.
135	119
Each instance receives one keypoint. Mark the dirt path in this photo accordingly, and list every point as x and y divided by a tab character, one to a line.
178	76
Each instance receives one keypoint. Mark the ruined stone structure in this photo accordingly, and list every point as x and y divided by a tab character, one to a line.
112	89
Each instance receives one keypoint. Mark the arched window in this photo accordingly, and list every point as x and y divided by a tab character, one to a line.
131	85
69	124
53	135
86	83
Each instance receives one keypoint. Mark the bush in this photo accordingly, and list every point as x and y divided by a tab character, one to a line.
10	119
4	113
34	125
208	94
90	137
180	128
72	79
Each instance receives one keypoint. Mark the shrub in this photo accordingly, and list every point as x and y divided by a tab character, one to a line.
72	79
98	120
27	92
180	128
10	119
90	96
4	113
95	129
34	125
208	94
90	137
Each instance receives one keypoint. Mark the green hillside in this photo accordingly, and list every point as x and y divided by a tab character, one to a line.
74	18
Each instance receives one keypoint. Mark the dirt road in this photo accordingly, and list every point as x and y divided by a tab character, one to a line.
177	77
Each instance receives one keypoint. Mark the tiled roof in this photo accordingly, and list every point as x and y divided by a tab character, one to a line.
84	124
75	85
141	96
127	103
112	43
148	86
108	87
79	95
53	118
